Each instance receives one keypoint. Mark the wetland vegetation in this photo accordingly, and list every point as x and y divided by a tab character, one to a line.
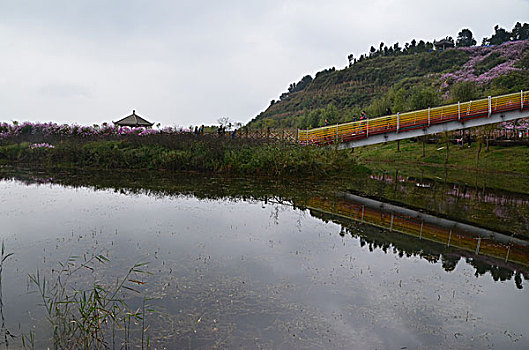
174	152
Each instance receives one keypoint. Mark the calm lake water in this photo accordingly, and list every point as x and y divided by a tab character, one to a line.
261	264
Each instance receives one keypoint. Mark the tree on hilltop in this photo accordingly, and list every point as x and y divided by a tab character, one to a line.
465	38
520	31
350	58
224	121
499	37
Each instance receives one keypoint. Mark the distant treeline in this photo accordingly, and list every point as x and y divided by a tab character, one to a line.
465	38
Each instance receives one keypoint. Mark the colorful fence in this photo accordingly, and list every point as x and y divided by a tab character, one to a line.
413	226
402	122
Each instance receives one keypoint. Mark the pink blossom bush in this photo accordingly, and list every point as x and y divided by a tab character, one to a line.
510	51
9	130
520	124
41	145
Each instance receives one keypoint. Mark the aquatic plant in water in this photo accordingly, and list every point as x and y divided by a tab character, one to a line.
5	334
89	318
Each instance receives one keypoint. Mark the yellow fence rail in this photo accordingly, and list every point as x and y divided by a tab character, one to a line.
402	122
413	226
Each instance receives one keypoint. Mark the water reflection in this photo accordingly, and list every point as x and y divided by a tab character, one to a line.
243	262
433	238
430	237
498	202
458	190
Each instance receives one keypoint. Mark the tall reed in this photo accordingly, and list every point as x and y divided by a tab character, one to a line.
88	318
5	334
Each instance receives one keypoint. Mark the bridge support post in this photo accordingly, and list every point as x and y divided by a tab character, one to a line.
367	127
362	213
490	106
398	121
521	100
459	111
429	108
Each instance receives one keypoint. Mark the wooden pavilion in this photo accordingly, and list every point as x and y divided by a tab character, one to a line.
133	120
443	44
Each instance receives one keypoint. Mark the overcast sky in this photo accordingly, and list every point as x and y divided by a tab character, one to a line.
191	62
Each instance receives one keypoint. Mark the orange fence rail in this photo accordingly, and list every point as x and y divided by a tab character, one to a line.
413	226
402	122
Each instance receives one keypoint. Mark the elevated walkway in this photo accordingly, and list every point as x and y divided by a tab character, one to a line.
429	121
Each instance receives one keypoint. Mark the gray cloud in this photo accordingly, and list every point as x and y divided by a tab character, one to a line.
189	62
65	91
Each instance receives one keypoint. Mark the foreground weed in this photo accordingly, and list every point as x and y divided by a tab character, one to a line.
89	318
5	334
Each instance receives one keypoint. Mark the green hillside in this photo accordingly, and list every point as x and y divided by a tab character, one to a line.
402	79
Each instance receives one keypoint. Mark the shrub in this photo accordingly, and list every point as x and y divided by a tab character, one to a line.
489	62
464	91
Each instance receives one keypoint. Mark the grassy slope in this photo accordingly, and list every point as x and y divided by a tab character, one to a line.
355	88
358	85
497	159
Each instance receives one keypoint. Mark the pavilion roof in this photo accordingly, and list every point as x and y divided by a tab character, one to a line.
133	120
445	41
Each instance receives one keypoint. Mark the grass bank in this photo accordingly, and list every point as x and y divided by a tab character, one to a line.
186	152
499	159
222	154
